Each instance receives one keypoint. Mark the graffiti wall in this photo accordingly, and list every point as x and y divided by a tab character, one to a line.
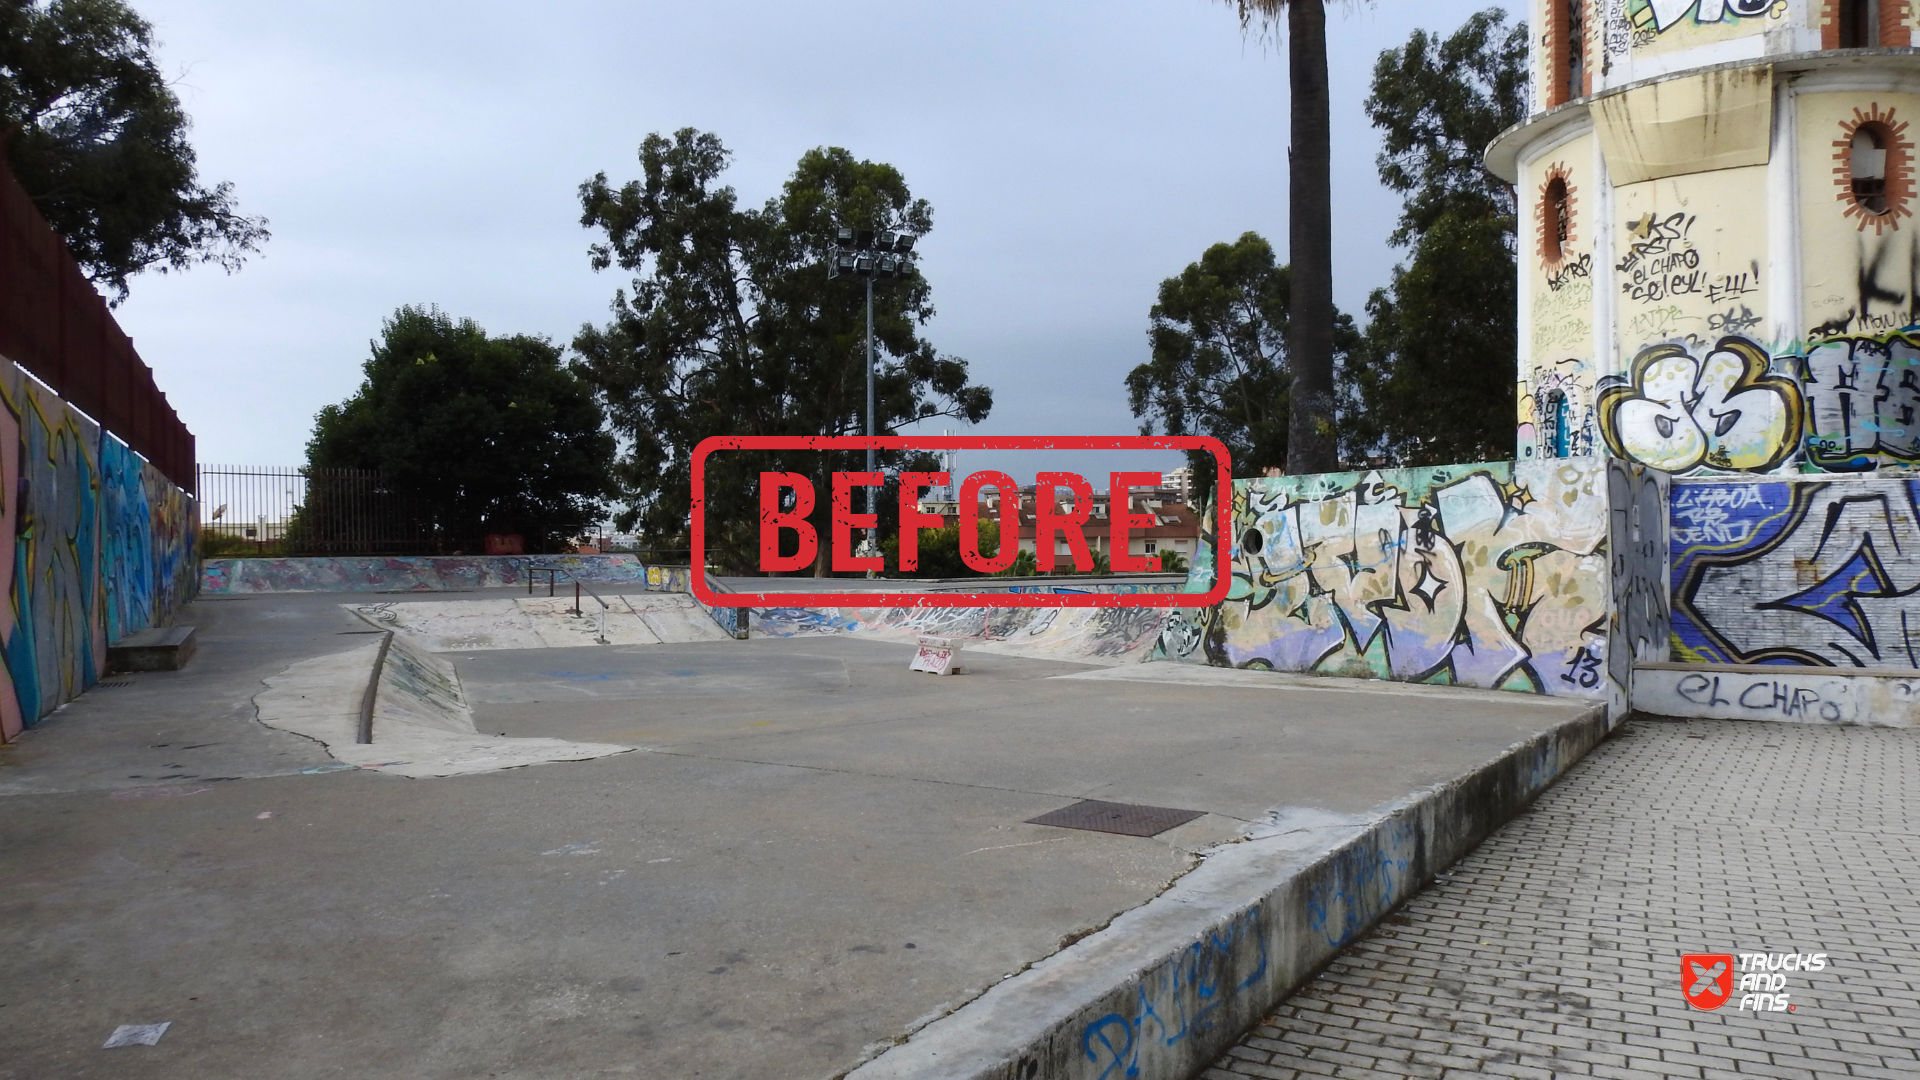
1556	417
1822	571
1099	635
149	529
1491	575
101	545
429	573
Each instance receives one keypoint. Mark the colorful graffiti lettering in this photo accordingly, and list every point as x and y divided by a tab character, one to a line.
1798	572
1861	398
1661	16
1679	414
1482	575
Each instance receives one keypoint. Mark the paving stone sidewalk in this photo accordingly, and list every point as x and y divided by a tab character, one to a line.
1554	948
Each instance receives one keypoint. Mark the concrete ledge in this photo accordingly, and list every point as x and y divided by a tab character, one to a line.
163	648
1876	697
1172	984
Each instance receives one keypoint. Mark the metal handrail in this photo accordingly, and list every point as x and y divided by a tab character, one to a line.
600	637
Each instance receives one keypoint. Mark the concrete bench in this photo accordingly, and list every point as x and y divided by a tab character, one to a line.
163	648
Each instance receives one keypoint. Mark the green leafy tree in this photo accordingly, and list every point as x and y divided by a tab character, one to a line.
939	550
732	327
1025	564
481	434
1313	330
1172	562
1221	352
99	141
1437	382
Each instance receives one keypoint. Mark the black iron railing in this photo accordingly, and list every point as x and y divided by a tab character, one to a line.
279	510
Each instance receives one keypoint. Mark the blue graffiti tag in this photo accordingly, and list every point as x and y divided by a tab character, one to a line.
1190	987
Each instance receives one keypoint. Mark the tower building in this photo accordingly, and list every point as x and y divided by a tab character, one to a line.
1716	238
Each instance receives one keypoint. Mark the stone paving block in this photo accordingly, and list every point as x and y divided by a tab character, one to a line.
1751	837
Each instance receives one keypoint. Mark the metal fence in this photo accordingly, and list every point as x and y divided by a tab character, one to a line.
53	324
277	510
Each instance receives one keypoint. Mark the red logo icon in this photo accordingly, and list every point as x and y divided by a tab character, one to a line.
1707	978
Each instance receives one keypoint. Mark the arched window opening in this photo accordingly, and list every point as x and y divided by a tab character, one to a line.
1555	424
1867	160
1553	206
1859	28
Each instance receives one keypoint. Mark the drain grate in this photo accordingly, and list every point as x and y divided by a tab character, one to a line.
112	684
1126	819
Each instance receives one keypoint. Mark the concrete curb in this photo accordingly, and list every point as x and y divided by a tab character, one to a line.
1170	985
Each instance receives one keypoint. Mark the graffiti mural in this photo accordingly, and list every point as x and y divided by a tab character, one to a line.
1861	394
1650	26
55	637
1802	571
174	529
149	531
1680	414
1488	575
102	545
128	529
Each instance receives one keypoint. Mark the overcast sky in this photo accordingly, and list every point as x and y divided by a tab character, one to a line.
1075	154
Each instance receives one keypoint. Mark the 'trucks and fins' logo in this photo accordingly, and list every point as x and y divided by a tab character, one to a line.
1707	978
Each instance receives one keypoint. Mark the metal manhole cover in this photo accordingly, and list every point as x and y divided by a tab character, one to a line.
1126	819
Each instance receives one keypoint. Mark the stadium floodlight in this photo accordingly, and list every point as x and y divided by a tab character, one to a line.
868	254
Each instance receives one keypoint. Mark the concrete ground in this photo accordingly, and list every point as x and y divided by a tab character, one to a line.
1554	949
810	852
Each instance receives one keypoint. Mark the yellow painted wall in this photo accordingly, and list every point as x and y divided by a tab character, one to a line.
1856	272
1699	391
1560	301
1690	258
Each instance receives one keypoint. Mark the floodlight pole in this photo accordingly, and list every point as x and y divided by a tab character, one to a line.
873	534
852	253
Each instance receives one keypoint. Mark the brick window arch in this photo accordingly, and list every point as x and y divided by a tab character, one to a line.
1873	168
1555	218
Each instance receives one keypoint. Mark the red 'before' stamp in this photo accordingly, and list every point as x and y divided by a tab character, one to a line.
844	522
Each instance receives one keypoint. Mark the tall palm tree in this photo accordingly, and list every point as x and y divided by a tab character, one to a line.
1311	444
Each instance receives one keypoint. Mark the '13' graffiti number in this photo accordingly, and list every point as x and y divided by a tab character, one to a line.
1583	670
